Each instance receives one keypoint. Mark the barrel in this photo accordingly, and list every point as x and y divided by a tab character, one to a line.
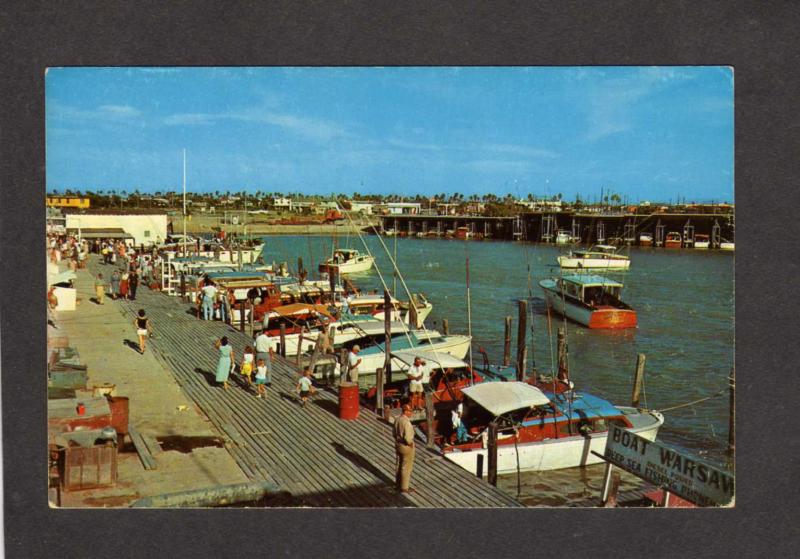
348	400
119	414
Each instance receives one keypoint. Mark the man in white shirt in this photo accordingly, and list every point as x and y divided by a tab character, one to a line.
262	347
353	361
209	294
418	377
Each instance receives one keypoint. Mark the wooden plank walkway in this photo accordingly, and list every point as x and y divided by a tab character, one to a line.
322	460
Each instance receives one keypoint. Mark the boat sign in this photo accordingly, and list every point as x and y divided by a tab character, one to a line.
684	476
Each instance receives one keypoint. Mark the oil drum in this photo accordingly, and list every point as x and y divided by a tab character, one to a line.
348	400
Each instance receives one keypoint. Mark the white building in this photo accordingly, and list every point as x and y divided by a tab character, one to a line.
361	206
142	228
402	208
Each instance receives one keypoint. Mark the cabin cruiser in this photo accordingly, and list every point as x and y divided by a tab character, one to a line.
645	239
347	261
598	257
591	300
701	241
673	240
563	237
415	340
538	429
373	305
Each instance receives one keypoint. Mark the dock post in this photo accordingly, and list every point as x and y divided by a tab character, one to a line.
412	313
637	380
492	448
479	469
299	348
242	310
507	343
445	327
343	366
732	418
252	320
183	286
283	340
387	327
429	417
522	346
379	394
299	265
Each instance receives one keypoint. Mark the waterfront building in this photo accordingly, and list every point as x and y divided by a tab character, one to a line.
143	227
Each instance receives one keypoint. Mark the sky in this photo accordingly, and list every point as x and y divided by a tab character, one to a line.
645	133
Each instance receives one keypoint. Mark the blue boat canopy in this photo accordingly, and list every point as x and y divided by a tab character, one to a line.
591	279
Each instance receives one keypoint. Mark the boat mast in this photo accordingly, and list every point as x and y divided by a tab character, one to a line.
469	318
184	202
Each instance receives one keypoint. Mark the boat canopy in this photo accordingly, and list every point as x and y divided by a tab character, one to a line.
300	308
589	280
502	397
435	360
605	248
345	251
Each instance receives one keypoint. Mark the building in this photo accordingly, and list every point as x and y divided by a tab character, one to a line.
401	208
143	227
361	206
68	202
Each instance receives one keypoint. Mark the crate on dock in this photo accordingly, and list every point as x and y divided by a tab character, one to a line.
88	467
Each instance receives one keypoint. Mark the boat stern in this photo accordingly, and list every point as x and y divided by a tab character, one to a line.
613	319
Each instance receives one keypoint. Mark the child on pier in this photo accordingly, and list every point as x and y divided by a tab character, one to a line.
261	379
247	365
305	386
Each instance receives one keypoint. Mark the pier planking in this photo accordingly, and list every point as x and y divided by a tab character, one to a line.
320	459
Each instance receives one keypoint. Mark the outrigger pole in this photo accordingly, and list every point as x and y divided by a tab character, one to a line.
469	316
184	203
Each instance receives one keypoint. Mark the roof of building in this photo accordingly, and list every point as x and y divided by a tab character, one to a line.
116	211
101	232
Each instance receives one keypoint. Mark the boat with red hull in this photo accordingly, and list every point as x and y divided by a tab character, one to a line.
591	300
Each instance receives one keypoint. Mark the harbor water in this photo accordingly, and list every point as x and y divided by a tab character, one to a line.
685	305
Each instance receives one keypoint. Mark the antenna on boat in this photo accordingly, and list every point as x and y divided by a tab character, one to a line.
184	202
469	312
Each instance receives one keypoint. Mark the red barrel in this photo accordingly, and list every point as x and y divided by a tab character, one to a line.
348	400
119	414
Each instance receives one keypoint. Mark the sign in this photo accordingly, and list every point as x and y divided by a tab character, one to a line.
684	476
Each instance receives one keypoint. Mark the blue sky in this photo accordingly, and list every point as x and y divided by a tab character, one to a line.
648	133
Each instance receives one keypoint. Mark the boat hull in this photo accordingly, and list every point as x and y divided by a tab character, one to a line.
363	265
551	454
726	246
601	317
457	346
701	244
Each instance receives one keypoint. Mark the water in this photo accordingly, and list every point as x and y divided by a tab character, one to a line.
685	305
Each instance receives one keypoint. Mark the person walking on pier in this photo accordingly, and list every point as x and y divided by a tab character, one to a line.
133	283
123	285
246	367
225	363
142	324
261	379
115	284
305	387
209	294
404	450
100	289
418	377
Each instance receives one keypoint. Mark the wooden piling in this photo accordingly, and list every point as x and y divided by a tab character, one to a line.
522	329
637	380
479	466
299	348
507	343
412	313
429	417
242	309
492	451
379	394
563	363
343	364
252	320
613	490
732	417
445	327
283	340
183	286
387	326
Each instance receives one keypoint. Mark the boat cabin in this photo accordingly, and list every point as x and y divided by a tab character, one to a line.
590	290
297	318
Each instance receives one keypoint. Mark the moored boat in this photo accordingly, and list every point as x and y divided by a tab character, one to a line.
373	305
463	233
591	300
563	237
645	239
347	261
727	245
673	240
701	241
603	257
373	357
539	430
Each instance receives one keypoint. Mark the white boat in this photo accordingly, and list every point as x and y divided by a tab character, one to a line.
701	241
602	257
373	357
645	239
390	232
347	261
538	430
372	305
563	237
727	245
591	300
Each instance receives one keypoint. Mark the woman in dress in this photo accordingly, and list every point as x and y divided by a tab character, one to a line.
226	360
115	284
123	285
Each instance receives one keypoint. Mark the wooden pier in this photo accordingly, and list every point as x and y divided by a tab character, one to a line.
321	460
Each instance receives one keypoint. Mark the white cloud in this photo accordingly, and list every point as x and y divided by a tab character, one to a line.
120	110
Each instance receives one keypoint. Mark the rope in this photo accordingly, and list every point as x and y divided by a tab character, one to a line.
693	402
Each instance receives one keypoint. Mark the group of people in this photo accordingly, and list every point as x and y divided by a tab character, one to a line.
214	302
67	247
255	366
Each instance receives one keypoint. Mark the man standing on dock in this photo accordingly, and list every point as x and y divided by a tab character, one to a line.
404	450
353	361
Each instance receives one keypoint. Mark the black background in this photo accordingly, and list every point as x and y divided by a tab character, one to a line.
756	38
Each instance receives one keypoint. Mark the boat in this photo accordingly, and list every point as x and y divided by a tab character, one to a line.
390	232
373	305
701	241
299	320
727	245
347	261
420	234
374	357
591	300
645	239
673	240
603	257
563	237
463	233
539	430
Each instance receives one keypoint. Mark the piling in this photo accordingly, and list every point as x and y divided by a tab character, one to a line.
183	286
412	313
252	320
445	327
563	363
429	417
387	326
732	417
507	343
492	451
299	348
241	316
637	380
379	388
283	340
522	329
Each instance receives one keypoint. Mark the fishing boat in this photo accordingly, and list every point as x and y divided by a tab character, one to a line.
563	237
347	261
390	232
645	239
463	233
701	241
591	300
539	430
727	245
603	257
302	323
373	357
673	240
373	305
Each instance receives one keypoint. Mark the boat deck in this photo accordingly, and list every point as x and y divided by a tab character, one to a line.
321	460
